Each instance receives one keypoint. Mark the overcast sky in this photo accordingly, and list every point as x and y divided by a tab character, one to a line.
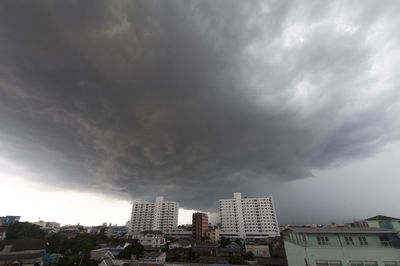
105	102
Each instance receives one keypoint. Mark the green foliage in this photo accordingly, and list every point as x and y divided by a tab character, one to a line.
236	259
271	248
165	248
238	242
224	242
204	238
24	230
134	249
248	255
55	242
204	253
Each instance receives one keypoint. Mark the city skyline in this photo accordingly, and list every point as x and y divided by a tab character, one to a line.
196	100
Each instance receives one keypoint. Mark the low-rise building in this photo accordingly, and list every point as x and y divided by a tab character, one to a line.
22	252
154	257
178	233
183	243
3	232
258	250
101	254
213	233
48	226
150	238
341	246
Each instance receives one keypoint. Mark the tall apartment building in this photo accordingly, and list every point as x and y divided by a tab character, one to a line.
248	217
199	225
160	215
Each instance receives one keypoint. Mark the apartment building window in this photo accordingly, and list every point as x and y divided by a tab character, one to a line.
329	263
385	241
349	240
391	263
323	240
363	240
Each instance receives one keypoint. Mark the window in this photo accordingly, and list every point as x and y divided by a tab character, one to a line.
349	240
390	263
371	263
385	241
363	240
323	240
356	263
329	263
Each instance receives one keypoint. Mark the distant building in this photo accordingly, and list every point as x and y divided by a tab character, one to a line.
248	217
7	220
341	246
3	232
178	233
258	250
22	252
160	215
48	226
183	243
199	225
213	233
101	254
150	238
115	231
154	257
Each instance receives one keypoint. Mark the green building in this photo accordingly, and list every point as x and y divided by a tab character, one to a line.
342	246
384	222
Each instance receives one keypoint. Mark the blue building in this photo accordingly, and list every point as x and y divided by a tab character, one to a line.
9	220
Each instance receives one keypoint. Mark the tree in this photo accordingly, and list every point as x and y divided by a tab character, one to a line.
24	230
248	255
271	249
236	259
224	242
204	253
134	249
237	241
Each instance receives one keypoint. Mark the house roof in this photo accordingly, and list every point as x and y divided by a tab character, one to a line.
22	245
381	218
340	230
182	242
152	255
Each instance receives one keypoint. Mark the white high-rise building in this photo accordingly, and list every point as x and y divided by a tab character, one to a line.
160	215
248	217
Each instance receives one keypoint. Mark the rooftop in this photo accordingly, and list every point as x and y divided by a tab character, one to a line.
381	218
340	230
22	245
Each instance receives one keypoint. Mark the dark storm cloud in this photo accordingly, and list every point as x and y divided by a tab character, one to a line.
192	99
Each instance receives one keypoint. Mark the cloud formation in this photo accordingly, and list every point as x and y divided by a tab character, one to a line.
191	99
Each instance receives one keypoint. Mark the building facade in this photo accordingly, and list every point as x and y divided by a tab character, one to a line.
342	246
213	233
160	215
384	222
248	217
199	225
150	238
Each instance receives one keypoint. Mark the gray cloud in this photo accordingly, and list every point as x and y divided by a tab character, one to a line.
193	99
